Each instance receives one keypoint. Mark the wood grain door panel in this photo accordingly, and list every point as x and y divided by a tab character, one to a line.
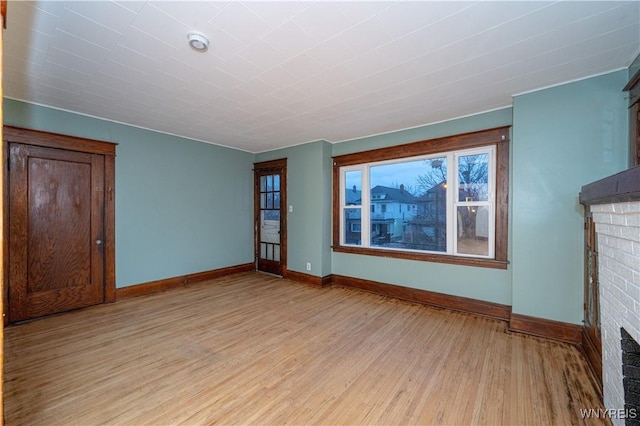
56	210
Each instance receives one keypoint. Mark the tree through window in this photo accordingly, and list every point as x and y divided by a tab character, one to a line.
428	204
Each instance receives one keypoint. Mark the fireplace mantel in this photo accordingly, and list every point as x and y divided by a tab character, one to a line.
619	188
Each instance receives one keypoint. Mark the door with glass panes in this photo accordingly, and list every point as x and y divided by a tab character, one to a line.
271	216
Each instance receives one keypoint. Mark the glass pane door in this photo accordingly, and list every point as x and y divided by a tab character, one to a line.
270	219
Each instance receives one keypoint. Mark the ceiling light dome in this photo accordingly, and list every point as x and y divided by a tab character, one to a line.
198	41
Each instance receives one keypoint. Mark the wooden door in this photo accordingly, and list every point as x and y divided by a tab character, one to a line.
56	230
271	216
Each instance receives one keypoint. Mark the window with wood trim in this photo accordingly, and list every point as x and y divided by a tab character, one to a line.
440	200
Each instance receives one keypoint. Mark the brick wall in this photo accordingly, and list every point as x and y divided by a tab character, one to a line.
618	229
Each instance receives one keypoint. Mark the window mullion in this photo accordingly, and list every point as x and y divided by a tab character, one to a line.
451	186
365	212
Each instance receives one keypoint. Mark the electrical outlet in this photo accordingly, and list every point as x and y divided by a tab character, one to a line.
308	266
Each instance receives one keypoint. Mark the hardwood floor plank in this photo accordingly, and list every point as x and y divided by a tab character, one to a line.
255	349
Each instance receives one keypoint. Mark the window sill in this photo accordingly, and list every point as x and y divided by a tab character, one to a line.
425	257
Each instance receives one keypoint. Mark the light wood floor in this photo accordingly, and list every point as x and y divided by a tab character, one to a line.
252	349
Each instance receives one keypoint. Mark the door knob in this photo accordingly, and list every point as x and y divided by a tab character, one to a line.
98	242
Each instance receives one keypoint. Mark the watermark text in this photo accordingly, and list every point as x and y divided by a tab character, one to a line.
609	413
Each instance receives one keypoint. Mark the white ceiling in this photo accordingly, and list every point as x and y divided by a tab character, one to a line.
284	73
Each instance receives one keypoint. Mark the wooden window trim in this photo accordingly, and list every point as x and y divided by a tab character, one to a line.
498	136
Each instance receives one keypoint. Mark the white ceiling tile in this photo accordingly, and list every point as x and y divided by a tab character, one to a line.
239	68
240	22
358	11
312	87
276	13
55	94
29	40
178	69
66	73
241	97
131	58
341	92
193	14
198	60
332	52
78	63
322	20
52	7
27	71
45	22
161	26
302	66
368	63
289	39
21	89
220	79
106	13
278	77
133	5
230	102
405	17
401	50
338	75
121	72
288	94
259	88
82	28
171	81
262	54
79	47
371	83
69	85
144	44
366	35
147	89
18	53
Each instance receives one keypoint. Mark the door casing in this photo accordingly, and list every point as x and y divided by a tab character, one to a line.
271	168
70	143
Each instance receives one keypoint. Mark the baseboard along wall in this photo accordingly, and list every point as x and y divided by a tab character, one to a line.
540	327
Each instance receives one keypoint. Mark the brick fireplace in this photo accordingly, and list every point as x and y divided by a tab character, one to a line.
618	235
614	204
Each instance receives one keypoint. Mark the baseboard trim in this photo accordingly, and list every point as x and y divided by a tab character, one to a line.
456	303
550	329
540	327
593	354
308	279
158	286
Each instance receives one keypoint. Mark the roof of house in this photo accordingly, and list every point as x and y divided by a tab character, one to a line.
353	196
394	194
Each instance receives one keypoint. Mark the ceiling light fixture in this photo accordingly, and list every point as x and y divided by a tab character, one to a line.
198	41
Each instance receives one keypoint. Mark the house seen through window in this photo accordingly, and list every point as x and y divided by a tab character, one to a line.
435	203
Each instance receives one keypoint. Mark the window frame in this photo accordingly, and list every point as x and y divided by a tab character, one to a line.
498	137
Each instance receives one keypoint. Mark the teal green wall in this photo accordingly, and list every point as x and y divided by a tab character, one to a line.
563	137
309	192
498	118
182	206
